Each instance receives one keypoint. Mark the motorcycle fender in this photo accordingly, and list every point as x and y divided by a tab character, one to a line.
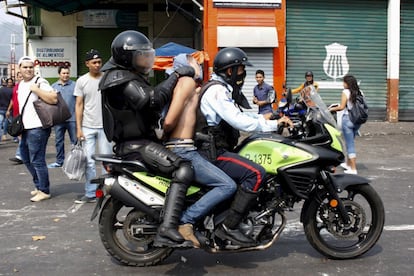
342	181
97	208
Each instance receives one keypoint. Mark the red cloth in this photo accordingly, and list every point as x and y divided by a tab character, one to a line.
15	101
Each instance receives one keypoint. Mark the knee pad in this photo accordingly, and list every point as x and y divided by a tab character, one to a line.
159	158
184	174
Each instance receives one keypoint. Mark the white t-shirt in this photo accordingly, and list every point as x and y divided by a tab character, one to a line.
88	88
349	104
30	118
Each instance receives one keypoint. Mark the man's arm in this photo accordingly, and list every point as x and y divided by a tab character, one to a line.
79	116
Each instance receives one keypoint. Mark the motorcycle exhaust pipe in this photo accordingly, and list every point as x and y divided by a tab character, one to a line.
121	194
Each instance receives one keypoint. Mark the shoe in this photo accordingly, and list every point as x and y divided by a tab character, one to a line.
186	230
16	160
34	192
350	171
16	140
85	199
5	138
40	196
54	165
345	166
235	236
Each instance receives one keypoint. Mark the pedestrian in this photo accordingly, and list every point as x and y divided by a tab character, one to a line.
179	126
5	98
222	121
13	111
349	129
263	95
65	86
308	81
89	122
34	137
131	110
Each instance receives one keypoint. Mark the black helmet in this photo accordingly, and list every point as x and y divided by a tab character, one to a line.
133	50
309	73
229	57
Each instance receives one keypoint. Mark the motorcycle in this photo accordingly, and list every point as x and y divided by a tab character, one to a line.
342	215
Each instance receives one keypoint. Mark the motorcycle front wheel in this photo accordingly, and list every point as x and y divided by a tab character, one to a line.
128	235
329	235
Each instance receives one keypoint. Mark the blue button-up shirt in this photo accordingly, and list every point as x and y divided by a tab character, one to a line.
66	90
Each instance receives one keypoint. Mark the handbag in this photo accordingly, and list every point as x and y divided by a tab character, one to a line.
52	114
359	112
15	126
74	165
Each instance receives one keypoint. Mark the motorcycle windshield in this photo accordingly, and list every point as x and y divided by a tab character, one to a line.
313	99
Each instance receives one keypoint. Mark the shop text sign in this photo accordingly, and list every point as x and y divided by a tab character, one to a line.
53	52
264	4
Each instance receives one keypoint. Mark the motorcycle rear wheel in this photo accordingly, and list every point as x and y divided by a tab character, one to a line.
327	233
116	237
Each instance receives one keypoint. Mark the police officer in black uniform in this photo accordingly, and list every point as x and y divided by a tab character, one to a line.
131	109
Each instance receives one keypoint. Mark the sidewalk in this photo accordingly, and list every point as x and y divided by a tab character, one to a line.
375	128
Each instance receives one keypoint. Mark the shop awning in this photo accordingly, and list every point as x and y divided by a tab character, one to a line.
63	6
165	54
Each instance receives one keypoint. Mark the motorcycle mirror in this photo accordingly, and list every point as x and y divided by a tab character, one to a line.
289	95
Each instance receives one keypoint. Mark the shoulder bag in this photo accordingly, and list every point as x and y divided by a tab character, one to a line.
16	127
52	114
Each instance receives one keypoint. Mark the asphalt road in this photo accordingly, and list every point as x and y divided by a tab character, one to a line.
56	236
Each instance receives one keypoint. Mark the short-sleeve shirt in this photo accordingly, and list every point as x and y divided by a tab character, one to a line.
88	88
30	118
261	93
66	90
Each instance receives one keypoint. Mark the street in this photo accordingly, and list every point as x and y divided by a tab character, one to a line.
56	236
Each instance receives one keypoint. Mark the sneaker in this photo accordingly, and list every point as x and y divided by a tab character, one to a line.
40	196
85	199
54	165
345	166
186	230
16	160
34	192
350	171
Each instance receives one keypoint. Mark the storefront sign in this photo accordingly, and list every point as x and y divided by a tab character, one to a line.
264	4
52	52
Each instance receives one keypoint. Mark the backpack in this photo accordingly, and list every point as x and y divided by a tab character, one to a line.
359	112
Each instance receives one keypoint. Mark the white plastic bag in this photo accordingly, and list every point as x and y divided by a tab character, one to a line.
75	162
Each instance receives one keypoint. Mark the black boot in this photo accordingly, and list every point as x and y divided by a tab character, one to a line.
229	230
168	234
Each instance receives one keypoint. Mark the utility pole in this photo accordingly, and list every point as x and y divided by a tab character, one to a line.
13	56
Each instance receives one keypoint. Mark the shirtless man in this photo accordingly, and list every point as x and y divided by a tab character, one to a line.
179	125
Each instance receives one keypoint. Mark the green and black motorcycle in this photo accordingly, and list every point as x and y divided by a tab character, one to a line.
342	215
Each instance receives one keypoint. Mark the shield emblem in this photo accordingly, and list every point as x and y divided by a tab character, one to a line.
336	64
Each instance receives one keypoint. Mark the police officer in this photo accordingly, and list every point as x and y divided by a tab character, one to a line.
131	109
222	119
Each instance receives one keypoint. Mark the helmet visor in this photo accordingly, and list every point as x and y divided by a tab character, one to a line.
143	60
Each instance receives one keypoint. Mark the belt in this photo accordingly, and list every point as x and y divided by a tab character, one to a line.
179	143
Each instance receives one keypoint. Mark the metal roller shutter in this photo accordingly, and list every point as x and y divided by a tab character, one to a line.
360	30
261	58
406	89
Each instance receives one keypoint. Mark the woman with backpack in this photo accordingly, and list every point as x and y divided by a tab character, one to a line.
349	129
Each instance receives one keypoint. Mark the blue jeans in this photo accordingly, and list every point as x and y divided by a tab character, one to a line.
349	131
3	123
60	130
93	136
33	154
223	187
